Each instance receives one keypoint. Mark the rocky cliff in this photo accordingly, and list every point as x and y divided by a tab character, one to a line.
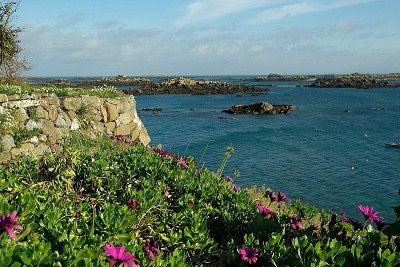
38	123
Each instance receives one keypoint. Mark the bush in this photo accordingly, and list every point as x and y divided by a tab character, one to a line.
167	213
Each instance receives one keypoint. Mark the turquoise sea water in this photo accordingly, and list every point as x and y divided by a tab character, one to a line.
307	154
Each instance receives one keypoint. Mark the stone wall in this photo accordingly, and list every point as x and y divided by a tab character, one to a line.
38	123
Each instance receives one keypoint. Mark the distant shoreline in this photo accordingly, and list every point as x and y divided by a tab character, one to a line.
210	85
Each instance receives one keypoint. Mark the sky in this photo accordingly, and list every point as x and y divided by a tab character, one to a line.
210	37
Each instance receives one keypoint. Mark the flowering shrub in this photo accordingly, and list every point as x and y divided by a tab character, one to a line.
102	203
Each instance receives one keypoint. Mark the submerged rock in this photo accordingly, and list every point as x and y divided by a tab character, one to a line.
260	108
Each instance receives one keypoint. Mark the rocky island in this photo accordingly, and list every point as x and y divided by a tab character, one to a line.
282	78
359	81
260	108
192	87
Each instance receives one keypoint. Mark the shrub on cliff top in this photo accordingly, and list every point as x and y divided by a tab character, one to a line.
103	202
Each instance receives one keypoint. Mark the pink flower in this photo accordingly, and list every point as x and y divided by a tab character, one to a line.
369	213
229	179
166	192
265	210
282	197
295	223
118	255
120	138
7	224
272	197
133	204
235	188
183	164
151	249
249	255
191	202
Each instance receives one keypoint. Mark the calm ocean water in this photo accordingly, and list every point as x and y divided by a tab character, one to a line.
307	154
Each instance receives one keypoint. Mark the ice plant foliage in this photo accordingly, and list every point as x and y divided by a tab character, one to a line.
369	214
7	224
117	255
249	255
151	249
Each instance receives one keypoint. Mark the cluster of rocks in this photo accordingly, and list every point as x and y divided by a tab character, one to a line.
54	118
119	80
260	108
282	78
193	87
360	81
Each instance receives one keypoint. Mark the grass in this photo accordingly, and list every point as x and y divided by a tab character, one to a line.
103	92
31	111
99	191
22	134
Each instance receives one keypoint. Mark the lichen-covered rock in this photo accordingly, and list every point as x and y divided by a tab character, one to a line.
7	142
3	98
112	111
20	115
57	118
31	124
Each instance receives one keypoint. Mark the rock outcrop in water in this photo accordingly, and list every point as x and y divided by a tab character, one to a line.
260	108
282	78
193	87
360	81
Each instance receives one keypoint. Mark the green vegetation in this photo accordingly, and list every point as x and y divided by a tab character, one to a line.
83	110
104	92
6	122
22	134
11	63
99	192
31	111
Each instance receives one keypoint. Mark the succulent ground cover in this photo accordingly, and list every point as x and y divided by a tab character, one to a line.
104	202
26	89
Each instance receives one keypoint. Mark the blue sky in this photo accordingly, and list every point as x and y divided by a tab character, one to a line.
198	37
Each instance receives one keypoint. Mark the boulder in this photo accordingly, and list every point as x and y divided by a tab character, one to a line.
260	108
8	142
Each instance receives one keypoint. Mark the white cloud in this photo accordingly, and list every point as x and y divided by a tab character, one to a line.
300	8
202	10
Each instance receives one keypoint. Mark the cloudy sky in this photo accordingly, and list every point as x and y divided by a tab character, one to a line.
198	37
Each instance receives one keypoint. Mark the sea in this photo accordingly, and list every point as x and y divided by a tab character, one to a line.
330	152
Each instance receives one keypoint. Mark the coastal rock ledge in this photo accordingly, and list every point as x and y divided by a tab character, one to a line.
260	108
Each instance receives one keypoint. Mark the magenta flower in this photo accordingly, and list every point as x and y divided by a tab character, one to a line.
120	138
235	188
369	213
229	179
151	249
183	164
249	255
282	197
7	224
272	197
133	204
191	202
118	255
166	192
265	210
295	223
